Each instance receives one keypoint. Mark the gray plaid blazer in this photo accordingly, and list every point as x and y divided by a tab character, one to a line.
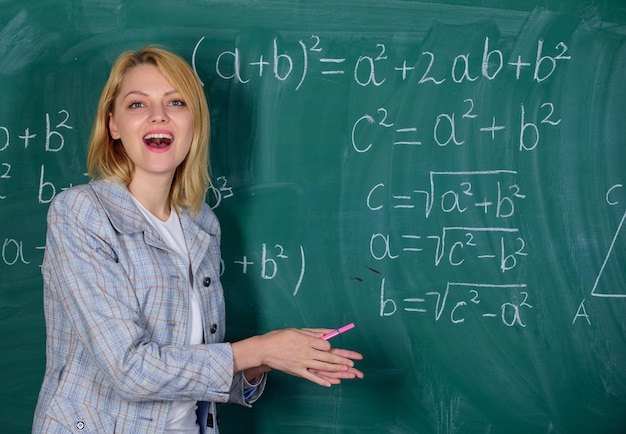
116	311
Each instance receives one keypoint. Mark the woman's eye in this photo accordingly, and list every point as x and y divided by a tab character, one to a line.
135	105
178	103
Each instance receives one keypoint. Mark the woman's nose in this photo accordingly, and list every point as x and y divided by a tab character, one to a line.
159	114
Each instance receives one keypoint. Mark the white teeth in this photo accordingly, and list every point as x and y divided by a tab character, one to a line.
158	136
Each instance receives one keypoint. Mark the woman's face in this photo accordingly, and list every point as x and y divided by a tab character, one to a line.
153	123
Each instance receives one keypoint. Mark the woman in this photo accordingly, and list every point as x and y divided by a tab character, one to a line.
133	302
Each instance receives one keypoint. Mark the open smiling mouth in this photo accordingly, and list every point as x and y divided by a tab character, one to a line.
160	140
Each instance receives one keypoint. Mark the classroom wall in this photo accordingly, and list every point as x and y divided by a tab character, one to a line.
448	175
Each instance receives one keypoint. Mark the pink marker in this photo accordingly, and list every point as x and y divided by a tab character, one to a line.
338	331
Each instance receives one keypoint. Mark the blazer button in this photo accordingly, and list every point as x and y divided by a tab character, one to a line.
207	281
213	328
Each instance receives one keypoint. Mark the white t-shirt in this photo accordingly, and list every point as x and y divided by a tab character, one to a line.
181	418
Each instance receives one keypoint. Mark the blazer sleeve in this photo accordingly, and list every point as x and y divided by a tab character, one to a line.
83	274
243	393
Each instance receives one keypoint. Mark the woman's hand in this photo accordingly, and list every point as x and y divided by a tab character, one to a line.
298	352
335	377
350	374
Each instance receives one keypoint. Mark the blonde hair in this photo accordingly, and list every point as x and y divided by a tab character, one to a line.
108	159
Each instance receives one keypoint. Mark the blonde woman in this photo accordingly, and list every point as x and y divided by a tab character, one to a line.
133	300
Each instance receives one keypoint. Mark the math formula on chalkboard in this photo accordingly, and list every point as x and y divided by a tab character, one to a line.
485	230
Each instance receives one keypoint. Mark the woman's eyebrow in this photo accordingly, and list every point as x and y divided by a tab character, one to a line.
142	93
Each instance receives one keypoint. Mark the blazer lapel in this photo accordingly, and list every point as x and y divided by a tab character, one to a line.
123	214
198	242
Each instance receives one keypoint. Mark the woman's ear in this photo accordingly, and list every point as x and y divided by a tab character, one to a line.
113	128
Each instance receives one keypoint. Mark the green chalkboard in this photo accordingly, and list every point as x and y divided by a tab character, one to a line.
450	176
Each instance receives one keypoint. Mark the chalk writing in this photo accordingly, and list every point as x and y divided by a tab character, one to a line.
456	193
506	302
455	252
53	141
271	260
492	194
13	252
613	292
310	55
469	195
218	191
443	130
54	138
459	196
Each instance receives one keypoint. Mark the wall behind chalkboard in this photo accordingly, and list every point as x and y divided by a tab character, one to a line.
450	177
